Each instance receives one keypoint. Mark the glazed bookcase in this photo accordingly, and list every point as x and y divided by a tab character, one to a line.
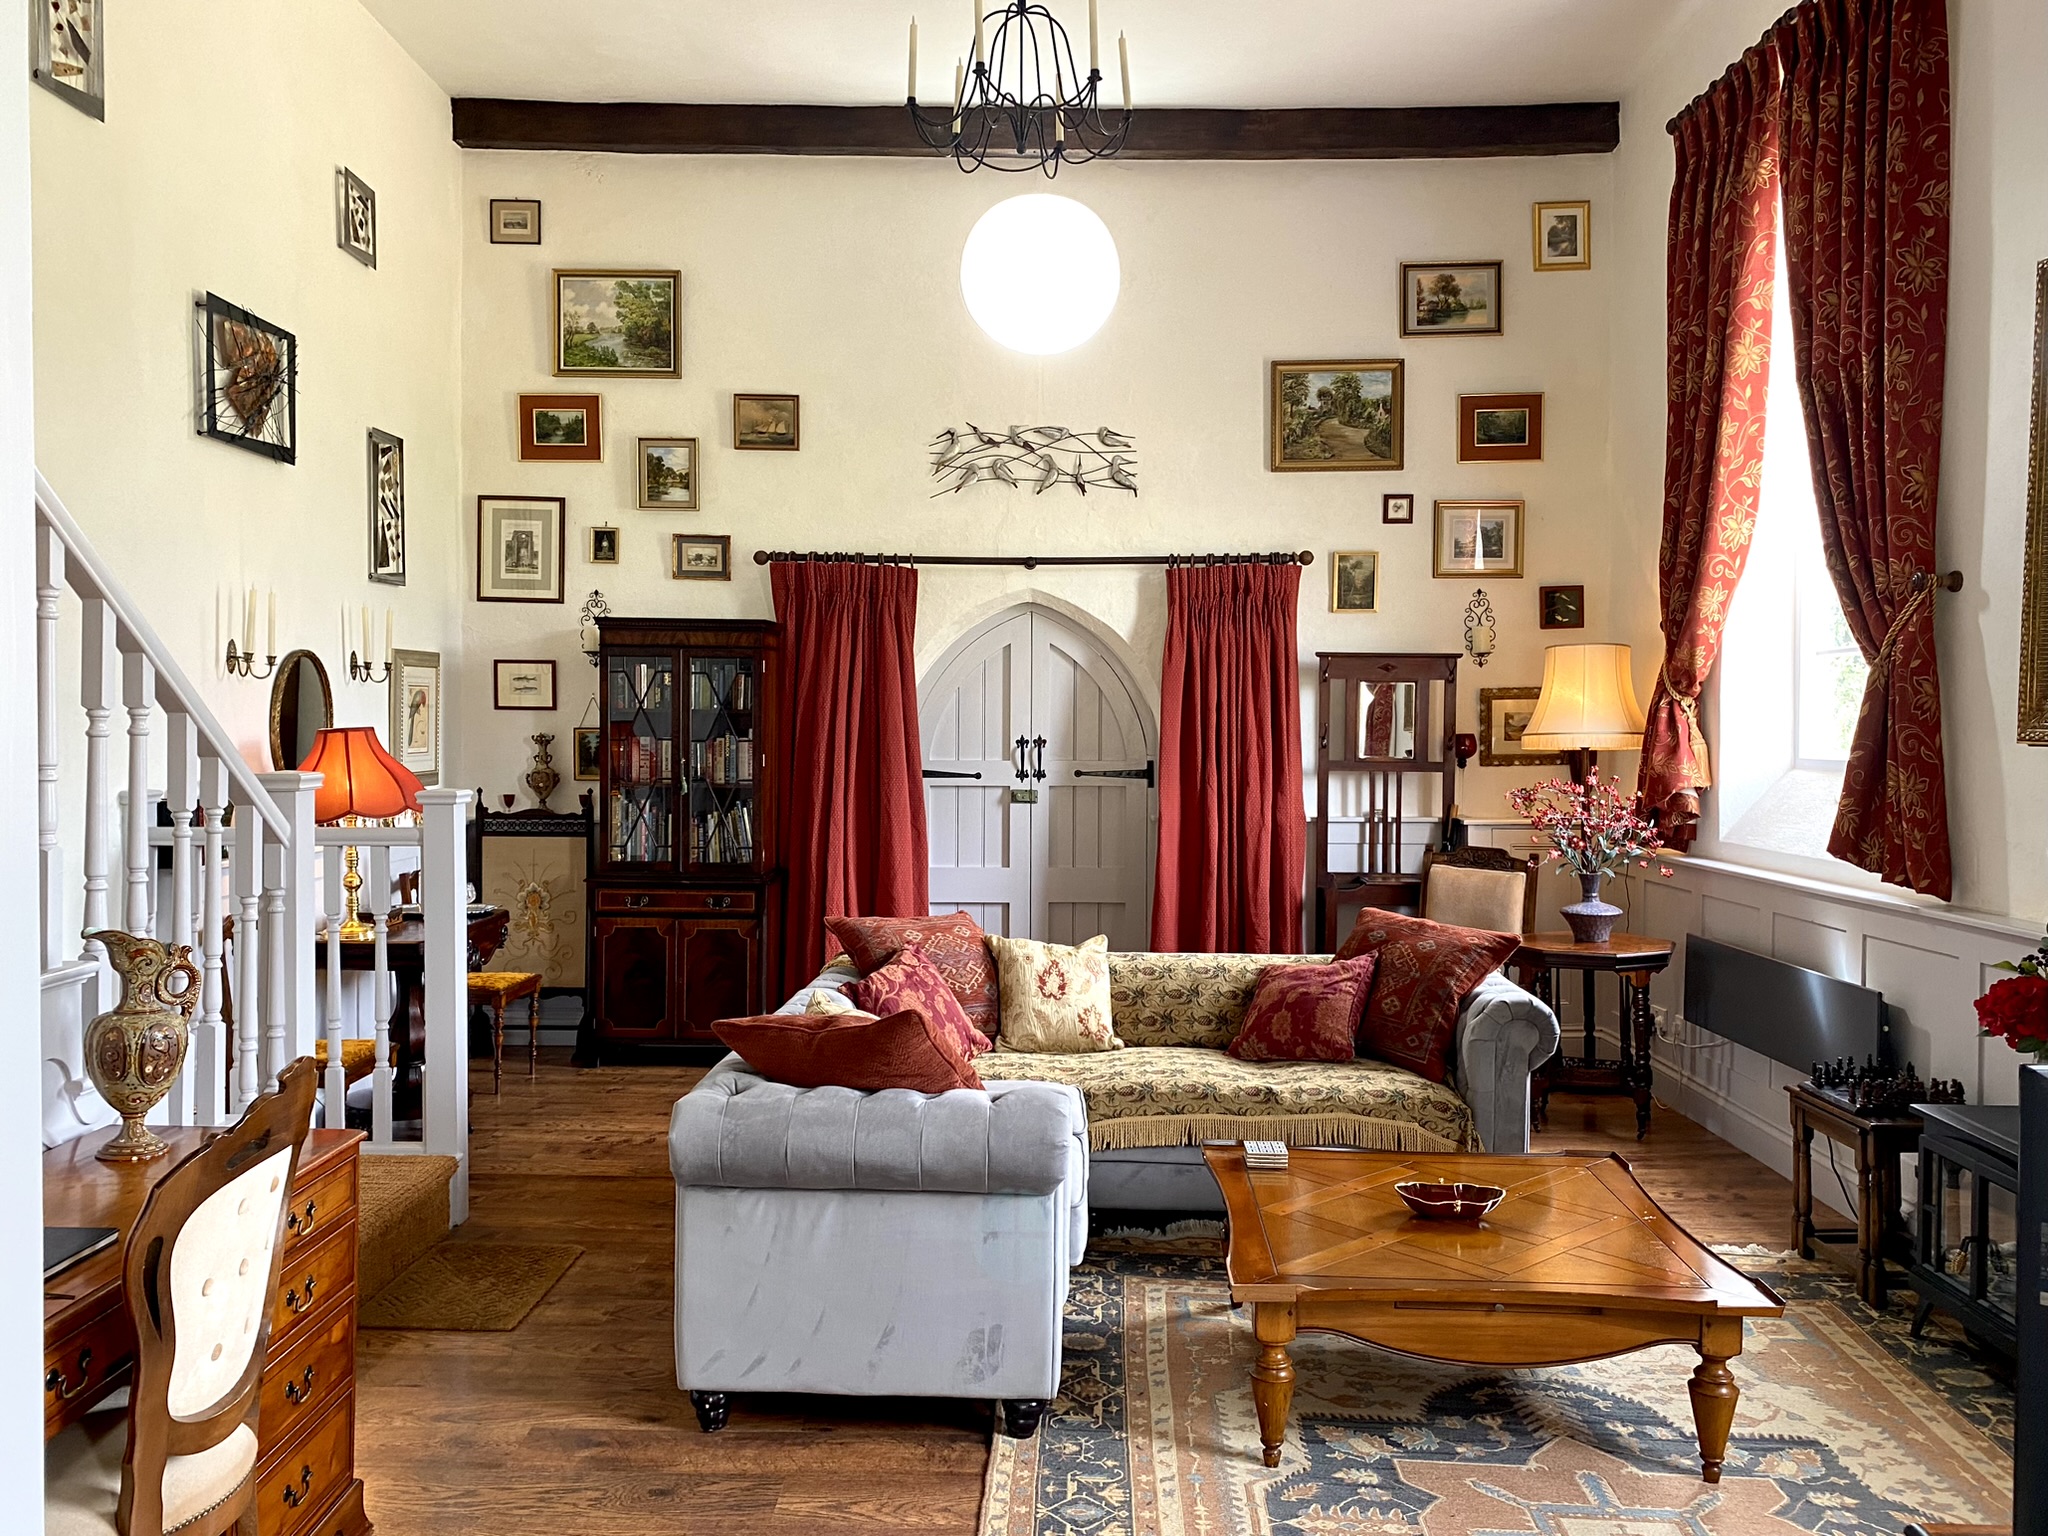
681	901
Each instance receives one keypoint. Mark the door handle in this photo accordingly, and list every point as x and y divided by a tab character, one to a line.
1023	744
1038	743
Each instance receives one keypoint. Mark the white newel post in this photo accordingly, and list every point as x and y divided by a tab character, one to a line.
445	984
296	900
206	1062
181	791
49	588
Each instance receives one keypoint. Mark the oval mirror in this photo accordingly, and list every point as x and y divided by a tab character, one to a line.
301	706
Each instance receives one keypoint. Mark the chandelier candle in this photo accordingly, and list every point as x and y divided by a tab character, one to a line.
913	58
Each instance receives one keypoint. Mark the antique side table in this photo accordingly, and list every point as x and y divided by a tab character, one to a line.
1633	958
1879	1143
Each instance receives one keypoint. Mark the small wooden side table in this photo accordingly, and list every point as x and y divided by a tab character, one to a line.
1879	1144
1632	957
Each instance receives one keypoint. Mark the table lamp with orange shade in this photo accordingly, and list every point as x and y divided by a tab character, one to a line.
360	782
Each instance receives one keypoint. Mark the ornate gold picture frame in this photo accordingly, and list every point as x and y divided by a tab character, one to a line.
2033	729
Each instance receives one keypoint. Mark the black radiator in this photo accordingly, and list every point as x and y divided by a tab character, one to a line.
1785	1012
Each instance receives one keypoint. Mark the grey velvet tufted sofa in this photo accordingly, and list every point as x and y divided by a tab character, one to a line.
875	1244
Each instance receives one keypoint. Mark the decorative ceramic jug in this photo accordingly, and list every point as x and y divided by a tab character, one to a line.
134	1053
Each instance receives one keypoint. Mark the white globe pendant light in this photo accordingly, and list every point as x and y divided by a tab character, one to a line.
1040	273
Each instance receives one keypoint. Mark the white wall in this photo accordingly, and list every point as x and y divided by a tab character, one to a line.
21	1185
214	170
838	280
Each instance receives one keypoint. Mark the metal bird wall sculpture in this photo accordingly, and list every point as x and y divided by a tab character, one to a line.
1040	457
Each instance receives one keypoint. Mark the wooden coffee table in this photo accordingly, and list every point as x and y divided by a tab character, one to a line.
1577	1263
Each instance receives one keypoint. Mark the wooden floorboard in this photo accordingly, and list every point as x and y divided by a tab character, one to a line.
572	1423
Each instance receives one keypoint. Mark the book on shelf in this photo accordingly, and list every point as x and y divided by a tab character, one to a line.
706	693
723	760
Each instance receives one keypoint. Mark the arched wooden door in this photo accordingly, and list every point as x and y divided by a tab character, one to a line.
1039	774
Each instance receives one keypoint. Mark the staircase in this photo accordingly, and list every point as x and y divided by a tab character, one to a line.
240	873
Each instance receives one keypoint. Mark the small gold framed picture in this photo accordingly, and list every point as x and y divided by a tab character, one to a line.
1355	581
1563	236
1478	538
668	474
766	421
515	221
604	546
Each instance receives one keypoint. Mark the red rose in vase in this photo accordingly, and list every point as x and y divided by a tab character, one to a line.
2015	1010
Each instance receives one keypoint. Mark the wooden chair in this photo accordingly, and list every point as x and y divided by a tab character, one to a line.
497	990
1479	888
201	1274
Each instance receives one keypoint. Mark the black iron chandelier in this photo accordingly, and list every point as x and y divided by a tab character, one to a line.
1021	103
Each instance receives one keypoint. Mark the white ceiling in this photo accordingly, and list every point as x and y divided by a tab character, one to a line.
1213	53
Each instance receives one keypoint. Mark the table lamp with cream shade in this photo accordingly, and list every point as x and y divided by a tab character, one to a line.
360	781
1588	706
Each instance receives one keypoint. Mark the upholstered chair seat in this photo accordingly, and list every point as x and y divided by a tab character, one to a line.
82	1476
1477	898
497	991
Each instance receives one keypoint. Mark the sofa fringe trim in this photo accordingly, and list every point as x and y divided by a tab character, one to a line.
1360	1131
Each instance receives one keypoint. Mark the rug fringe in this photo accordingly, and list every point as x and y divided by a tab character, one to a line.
1360	1131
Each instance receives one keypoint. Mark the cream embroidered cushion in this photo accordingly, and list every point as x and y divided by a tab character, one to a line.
823	1001
1054	998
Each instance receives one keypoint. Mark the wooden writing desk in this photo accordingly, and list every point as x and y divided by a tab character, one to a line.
305	1462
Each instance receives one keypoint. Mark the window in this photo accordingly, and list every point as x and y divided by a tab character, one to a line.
1790	680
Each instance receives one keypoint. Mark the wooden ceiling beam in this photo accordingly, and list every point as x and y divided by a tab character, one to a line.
1157	133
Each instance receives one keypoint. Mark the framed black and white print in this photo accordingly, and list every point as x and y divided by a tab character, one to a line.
519	548
249	381
68	53
604	546
515	221
523	684
1397	507
1563	236
387	509
416	712
355	216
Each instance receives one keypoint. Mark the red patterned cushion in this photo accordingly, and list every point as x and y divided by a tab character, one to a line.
954	943
912	981
851	1050
1425	971
1305	1012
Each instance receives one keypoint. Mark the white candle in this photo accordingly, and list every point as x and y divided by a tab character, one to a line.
979	54
913	58
1094	47
959	90
271	649
1123	54
249	625
366	632
387	637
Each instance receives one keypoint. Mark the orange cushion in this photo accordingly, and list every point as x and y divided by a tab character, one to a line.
1305	1012
1425	971
953	943
851	1050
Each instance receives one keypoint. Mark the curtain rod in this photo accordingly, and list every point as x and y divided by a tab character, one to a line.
1031	562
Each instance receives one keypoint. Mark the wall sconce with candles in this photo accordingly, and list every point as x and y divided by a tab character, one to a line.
588	635
360	668
241	660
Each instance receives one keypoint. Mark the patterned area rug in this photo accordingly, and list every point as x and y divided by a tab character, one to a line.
1847	1426
470	1287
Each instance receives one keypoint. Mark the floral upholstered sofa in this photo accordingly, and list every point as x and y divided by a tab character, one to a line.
1173	1086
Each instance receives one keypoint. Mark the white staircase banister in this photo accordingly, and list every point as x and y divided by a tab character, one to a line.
84	573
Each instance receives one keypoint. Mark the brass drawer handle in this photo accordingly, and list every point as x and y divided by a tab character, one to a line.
55	1382
294	1497
718	903
300	1391
291	1297
636	901
301	1225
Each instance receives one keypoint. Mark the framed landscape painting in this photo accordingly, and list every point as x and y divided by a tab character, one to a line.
1504	714
619	325
1478	538
1495	429
1337	415
668	474
1355	581
701	557
561	429
519	548
1450	298
515	221
1564	237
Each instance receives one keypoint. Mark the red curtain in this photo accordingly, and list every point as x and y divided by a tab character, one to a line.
1866	166
1232	833
1719	268
850	792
